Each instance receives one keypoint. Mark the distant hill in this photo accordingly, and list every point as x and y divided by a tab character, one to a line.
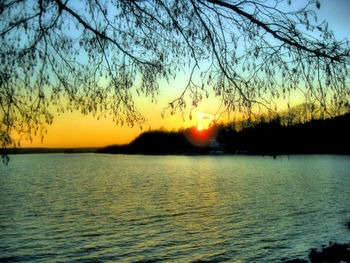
48	150
329	136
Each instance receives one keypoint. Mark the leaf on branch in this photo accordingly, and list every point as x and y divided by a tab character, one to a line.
318	5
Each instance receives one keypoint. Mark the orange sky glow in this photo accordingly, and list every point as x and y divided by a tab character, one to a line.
77	130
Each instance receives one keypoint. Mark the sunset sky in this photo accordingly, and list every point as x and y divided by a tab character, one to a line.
76	130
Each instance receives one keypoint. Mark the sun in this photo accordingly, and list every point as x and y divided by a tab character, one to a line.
199	127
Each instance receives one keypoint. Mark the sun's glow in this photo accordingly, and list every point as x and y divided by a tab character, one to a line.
199	127
202	137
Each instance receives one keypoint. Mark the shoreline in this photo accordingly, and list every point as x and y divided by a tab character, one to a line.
103	150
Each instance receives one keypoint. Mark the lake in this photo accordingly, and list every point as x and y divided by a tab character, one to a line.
120	208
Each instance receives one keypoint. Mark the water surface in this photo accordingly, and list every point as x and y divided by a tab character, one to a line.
119	208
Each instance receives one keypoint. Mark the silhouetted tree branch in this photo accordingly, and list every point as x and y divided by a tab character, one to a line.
94	56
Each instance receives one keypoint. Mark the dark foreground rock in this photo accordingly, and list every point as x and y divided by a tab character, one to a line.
334	253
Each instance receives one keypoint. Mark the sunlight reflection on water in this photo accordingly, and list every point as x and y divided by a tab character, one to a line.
119	208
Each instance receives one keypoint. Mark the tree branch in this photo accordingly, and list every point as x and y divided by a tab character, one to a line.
101	35
261	24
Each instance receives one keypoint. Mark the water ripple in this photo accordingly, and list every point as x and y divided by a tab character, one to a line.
102	208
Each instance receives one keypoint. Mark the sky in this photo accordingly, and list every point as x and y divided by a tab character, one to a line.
77	130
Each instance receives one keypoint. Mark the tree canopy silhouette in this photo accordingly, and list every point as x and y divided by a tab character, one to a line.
93	56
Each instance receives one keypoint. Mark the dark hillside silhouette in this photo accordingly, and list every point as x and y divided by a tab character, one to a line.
157	142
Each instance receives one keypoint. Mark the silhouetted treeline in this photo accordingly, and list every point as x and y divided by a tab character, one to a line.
272	137
263	137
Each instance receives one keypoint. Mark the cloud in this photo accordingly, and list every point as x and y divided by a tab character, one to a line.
205	116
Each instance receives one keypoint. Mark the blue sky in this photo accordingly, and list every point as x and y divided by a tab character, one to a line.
337	13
